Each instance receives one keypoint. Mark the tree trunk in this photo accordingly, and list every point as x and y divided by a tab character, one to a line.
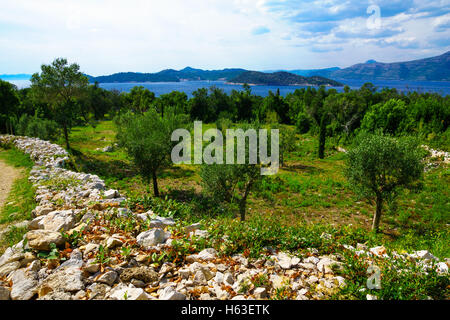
242	205
322	136
66	137
377	215
155	185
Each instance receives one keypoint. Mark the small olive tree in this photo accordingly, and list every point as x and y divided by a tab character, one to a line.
379	166
232	183
147	140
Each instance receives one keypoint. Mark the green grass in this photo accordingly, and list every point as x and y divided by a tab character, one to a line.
20	202
306	190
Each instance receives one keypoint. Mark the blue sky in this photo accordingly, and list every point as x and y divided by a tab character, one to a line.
147	36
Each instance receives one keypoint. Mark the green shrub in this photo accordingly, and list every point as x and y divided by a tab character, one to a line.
35	127
303	123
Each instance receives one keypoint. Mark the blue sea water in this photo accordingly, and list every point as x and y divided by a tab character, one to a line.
441	87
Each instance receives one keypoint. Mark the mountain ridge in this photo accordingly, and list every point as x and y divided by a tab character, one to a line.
435	68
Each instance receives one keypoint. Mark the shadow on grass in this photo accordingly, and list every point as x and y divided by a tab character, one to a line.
295	167
115	169
201	205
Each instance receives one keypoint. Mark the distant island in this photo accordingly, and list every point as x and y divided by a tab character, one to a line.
282	79
229	75
170	75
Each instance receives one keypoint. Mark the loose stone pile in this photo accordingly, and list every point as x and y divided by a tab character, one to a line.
71	203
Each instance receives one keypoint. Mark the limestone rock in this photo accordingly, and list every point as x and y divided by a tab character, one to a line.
123	292
152	237
424	255
111	194
260	293
11	255
55	221
42	210
442	268
24	285
8	268
98	291
56	295
161	222
326	265
144	274
169	293
192	227
228	279
41	239
107	278
69	279
378	251
206	255
113	242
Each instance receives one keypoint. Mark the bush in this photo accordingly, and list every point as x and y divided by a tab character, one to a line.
303	123
392	117
35	127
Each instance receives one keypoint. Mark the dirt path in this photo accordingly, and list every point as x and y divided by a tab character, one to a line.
7	176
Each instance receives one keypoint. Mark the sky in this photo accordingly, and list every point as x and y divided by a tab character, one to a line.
108	36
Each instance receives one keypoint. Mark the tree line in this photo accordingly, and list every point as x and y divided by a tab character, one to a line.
61	97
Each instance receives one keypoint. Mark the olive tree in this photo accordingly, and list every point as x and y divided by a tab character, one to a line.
379	166
60	85
147	140
232	183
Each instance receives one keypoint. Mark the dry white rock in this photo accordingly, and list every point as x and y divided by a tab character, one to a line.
260	293
111	194
55	221
25	284
152	237
169	293
41	239
124	292
107	278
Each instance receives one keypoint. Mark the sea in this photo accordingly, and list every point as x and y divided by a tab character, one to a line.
159	88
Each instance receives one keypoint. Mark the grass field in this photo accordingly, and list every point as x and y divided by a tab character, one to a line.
307	191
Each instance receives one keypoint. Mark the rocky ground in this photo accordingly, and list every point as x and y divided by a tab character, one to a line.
84	243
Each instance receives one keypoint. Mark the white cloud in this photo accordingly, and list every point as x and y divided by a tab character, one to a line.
107	36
